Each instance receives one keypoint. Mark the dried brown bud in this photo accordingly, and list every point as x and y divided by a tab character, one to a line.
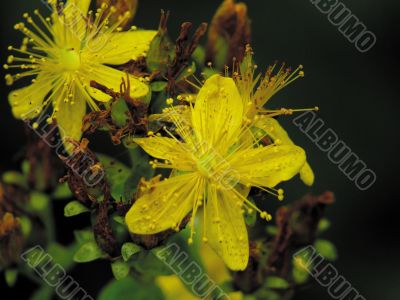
230	31
11	239
121	6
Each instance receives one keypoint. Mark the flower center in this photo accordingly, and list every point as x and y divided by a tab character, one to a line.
70	59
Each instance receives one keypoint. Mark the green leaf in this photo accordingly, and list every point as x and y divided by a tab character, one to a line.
158	86
26	225
299	272
25	167
272	230
62	191
13	177
83	236
120	114
74	208
117	174
208	72
88	252
129	288
199	55
188	71
265	294
129	249
250	217
147	263
44	293
11	276
323	225
38	201
326	249
119	219
120	269
160	52
140	168
274	282
221	52
61	254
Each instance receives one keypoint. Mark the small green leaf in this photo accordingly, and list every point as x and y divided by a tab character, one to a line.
83	236
323	225
199	55
25	167
129	249
62	191
274	282
74	208
13	177
326	249
117	174
60	254
120	269
120	114
160	52
88	252
26	225
140	168
158	86
221	52
250	215
208	72
272	230
299	272
44	293
190	70
11	276
39	201
129	288
264	294
119	219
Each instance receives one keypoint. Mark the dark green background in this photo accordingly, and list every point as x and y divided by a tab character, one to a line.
357	96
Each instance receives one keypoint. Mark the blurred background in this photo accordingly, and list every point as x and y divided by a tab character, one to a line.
356	93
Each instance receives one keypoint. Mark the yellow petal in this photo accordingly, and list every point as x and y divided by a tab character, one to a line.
81	6
26	103
225	228
169	149
69	116
269	165
71	28
112	79
165	205
272	127
120	47
218	113
307	174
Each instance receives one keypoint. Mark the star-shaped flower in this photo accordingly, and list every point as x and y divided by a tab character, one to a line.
64	53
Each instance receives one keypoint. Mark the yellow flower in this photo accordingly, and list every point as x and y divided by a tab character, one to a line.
256	91
64	53
211	164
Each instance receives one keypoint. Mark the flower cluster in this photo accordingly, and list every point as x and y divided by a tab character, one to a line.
223	141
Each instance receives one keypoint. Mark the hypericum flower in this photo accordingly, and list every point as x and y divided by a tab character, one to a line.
64	53
211	163
256	91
